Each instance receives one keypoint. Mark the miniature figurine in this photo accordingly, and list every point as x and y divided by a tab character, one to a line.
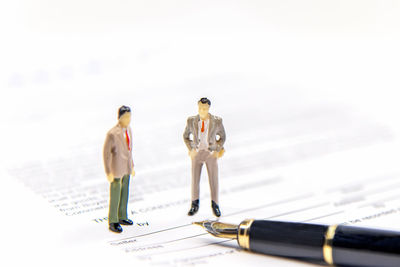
118	164
204	137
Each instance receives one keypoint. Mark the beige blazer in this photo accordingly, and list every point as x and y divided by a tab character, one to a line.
216	128
116	155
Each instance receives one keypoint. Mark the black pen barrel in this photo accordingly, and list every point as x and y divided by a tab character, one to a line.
288	239
336	245
357	246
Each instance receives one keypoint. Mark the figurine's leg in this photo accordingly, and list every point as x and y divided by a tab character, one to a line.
123	203
115	194
197	164
212	170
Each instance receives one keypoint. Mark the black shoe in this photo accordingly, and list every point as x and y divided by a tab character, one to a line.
194	208
126	222
215	209
115	227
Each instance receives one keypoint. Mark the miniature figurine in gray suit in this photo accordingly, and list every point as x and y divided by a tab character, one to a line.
204	137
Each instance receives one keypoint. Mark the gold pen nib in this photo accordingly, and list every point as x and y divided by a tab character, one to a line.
219	229
199	223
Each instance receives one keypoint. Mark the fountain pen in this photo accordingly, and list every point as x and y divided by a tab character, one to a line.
340	245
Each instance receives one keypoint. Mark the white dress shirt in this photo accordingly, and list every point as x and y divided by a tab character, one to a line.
203	136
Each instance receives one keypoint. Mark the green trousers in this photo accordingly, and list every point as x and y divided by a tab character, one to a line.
119	192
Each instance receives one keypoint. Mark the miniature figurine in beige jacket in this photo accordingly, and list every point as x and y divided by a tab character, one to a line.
204	137
118	164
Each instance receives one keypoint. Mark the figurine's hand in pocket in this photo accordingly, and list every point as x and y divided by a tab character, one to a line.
192	153
219	154
110	177
133	172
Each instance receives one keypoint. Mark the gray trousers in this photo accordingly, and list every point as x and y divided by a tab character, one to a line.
205	156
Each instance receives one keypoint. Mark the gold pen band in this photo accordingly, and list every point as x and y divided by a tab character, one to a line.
244	233
327	249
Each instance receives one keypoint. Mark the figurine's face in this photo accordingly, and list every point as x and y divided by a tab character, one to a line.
203	110
125	119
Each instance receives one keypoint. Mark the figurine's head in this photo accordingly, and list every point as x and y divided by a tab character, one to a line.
204	106
124	116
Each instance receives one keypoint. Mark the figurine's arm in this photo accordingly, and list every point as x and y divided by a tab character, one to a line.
221	141
133	165
107	156
222	136
186	135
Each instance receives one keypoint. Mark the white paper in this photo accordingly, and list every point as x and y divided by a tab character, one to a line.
301	161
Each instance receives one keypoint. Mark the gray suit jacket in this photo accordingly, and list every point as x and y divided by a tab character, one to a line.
116	154
216	128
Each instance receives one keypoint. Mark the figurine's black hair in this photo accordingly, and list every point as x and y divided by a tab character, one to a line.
122	110
205	100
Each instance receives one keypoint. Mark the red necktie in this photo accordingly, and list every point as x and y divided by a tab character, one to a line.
127	140
202	126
